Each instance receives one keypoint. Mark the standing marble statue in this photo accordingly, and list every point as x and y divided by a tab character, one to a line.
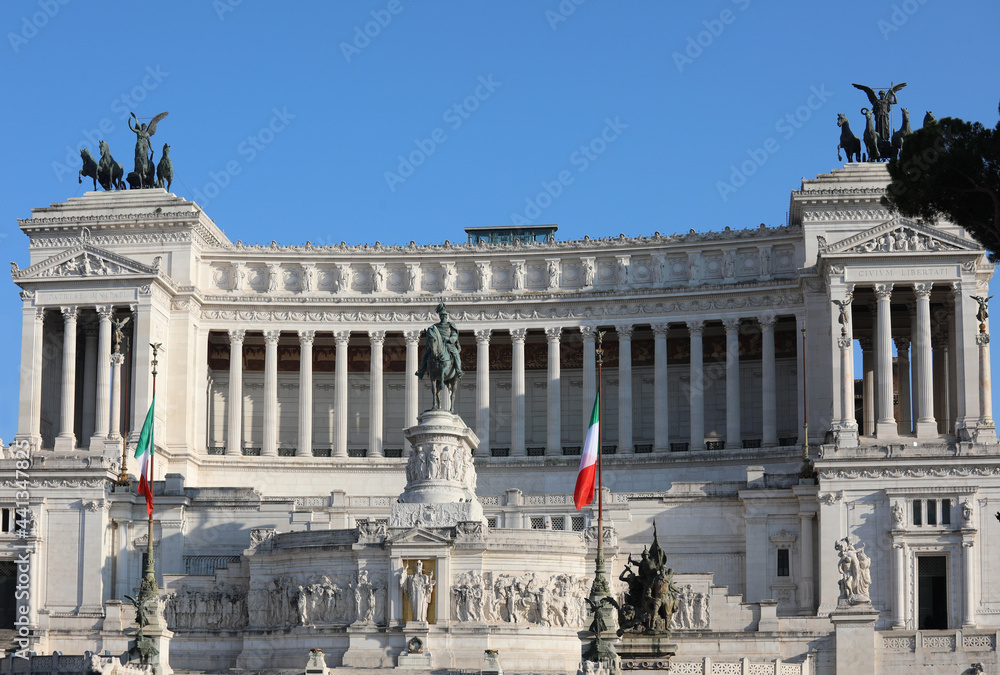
855	572
418	588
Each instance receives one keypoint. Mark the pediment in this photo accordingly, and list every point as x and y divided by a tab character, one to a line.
899	235
419	535
85	260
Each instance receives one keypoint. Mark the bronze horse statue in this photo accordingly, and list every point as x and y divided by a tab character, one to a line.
89	167
109	172
879	149
901	133
442	362
848	141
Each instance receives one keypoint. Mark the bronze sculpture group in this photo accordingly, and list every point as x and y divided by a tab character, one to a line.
651	598
111	174
881	142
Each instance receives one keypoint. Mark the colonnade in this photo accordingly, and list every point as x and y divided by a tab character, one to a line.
553	397
100	404
926	391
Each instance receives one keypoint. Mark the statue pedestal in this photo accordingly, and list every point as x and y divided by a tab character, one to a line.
156	631
416	654
440	475
855	637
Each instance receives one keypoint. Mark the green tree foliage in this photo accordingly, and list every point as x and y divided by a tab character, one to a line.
951	169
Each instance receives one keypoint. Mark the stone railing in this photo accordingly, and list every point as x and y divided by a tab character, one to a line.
939	641
708	666
51	664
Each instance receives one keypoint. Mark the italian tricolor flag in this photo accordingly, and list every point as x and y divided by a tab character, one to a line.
584	493
144	453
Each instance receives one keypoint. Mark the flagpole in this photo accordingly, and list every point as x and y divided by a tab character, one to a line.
148	588
600	586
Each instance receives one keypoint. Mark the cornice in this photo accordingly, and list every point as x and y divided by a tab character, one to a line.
764	234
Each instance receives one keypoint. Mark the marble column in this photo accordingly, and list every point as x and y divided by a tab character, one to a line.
483	389
589	334
37	341
553	437
269	448
911	311
304	445
517	392
941	365
985	396
375	403
661	428
925	425
624	388
899	589
769	388
867	386
28	420
903	373
117	359
411	383
965	410
885	427
66	440
340	394
734	436
806	599
697	386
103	399
234	445
968	580
88	408
848	420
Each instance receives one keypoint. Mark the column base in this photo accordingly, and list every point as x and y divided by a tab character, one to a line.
846	436
886	429
65	443
34	442
927	428
98	442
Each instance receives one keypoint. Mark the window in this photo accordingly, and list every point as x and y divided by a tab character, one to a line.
932	512
783	565
946	512
491	522
538	522
578	523
917	519
558	522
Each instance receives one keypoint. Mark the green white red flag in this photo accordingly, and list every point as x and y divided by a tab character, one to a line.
584	493
144	453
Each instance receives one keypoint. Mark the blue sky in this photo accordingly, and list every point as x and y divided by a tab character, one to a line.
394	120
